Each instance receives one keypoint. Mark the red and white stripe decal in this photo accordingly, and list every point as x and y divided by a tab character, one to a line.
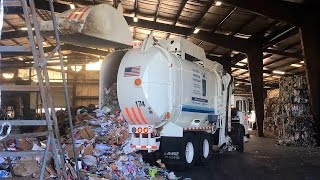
197	128
129	116
78	14
135	115
144	147
142	116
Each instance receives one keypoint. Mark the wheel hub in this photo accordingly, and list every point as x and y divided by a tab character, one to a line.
189	152
205	148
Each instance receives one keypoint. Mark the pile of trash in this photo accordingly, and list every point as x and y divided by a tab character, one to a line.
24	166
287	113
104	150
102	143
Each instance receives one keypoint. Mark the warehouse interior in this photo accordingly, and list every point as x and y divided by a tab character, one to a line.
269	47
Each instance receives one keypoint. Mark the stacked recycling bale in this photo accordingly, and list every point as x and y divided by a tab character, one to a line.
288	117
270	121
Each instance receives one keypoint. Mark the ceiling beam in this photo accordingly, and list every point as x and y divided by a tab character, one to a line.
203	13
285	57
280	36
183	4
224	19
273	85
263	31
58	7
275	9
30	65
287	64
274	61
246	68
157	11
240	28
213	38
283	53
13	34
85	50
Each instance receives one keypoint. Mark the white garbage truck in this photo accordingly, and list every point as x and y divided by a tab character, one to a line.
176	101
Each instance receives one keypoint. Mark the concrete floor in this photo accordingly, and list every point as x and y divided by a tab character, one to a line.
262	159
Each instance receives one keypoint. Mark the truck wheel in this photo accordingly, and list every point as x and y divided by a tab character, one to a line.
237	135
186	154
205	148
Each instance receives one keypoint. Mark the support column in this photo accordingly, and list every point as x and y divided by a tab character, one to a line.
226	63
309	33
255	62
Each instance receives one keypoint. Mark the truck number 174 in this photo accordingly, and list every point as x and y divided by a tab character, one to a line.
140	103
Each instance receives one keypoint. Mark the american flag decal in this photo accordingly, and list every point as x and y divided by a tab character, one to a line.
132	71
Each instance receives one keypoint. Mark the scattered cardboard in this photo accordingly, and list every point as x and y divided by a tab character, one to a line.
86	133
26	168
69	150
23	144
88	150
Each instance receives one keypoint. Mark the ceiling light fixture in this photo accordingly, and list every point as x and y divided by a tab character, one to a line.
135	19
237	84
8	75
240	64
72	6
245	60
278	72
196	30
296	65
20	59
25	28
218	3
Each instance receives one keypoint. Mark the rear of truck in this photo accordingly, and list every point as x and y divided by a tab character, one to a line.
144	86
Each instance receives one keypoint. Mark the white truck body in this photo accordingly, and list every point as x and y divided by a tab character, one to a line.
176	101
175	95
169	92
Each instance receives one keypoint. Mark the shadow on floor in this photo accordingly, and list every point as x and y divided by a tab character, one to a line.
262	159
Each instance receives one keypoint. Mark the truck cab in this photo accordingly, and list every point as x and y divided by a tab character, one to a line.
242	106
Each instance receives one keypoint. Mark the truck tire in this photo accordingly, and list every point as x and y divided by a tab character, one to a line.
237	134
184	150
205	148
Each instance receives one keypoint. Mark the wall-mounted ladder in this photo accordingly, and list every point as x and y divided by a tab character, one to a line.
53	144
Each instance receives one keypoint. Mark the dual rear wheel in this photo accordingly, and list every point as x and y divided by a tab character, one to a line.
193	148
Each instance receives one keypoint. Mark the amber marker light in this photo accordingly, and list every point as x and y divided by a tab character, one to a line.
137	82
145	130
168	115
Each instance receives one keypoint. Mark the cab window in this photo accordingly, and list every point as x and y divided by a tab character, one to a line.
245	106
239	105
